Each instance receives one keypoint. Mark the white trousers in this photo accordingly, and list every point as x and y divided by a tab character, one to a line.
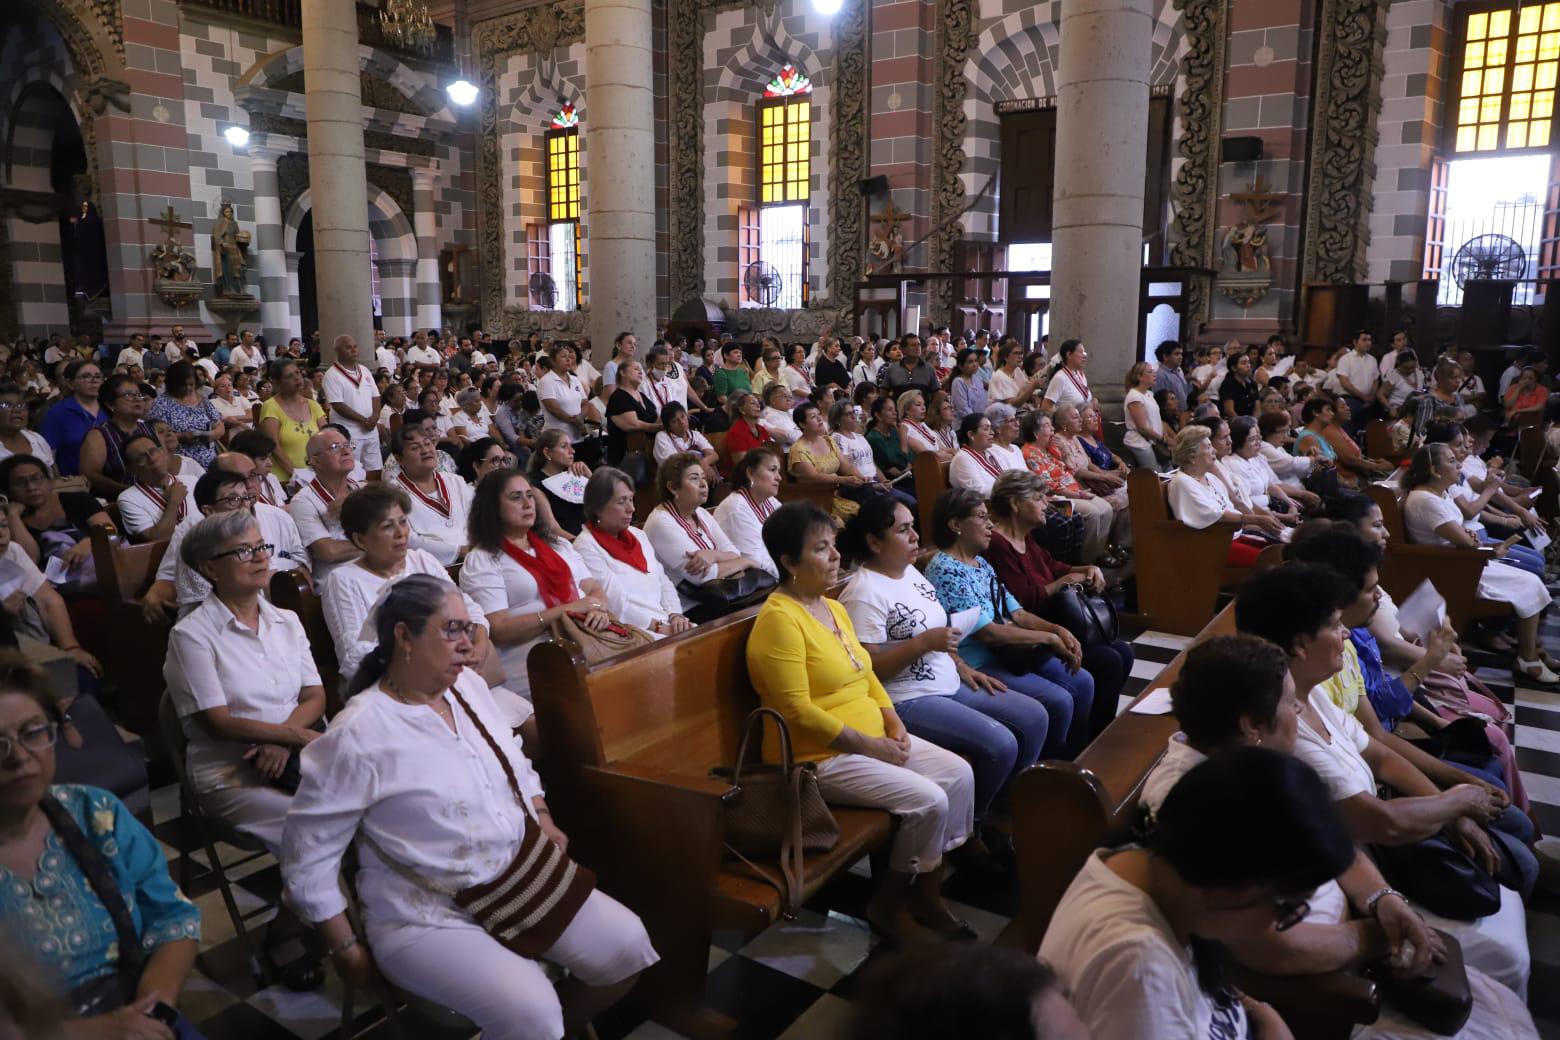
1498	1014
932	794
510	997
365	449
1498	944
257	811
1098	516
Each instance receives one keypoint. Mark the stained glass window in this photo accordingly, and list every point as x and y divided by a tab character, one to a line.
566	118
563	214
785	150
788	82
1506	86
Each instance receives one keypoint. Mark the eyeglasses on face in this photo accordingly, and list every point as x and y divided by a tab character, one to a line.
141	457
246	553
34	738
134	395
453	630
235	501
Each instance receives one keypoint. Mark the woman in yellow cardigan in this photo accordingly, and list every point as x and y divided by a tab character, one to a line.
806	663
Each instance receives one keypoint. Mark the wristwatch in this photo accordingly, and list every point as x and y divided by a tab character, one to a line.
1377	896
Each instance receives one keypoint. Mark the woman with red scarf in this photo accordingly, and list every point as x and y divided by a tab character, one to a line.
633	581
522	574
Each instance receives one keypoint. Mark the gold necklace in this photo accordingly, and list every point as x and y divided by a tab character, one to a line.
437	703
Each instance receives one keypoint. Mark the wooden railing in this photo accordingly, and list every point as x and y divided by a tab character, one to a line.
289	13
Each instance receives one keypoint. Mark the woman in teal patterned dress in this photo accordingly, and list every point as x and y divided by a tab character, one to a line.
47	904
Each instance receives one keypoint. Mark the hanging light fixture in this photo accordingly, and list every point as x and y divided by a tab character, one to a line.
407	24
463	92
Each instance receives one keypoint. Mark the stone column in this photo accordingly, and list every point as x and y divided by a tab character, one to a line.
426	224
294	300
1102	93
275	314
620	138
337	175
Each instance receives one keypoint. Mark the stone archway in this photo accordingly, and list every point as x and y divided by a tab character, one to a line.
393	248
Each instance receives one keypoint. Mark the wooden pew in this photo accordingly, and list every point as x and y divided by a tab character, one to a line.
1454	572
793	489
115	630
626	747
1179	570
1063	811
290	590
1537	463
931	480
1378	443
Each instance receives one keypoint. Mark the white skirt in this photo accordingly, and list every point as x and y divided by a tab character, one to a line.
1507	584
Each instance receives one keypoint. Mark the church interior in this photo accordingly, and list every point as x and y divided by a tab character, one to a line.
1078	243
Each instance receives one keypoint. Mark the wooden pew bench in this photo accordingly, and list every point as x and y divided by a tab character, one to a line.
1063	811
1180	570
931	480
1453	571
114	630
626	748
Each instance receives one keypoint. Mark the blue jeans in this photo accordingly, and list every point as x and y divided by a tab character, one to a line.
999	733
1067	697
1109	665
1519	555
1512	822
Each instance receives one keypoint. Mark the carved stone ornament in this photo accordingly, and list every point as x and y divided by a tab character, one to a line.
956	30
1348	97
493	40
520	321
1194	194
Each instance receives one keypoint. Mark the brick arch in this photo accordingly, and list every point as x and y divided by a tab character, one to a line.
275	70
96	49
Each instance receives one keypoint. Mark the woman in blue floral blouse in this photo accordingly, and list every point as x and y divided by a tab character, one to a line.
49	906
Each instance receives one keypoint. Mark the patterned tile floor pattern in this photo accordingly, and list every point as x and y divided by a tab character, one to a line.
794	980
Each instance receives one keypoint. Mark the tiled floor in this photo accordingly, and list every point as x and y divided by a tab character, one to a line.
794	980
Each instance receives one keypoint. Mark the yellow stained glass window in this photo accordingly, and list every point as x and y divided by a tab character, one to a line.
563	175
1507	80
785	150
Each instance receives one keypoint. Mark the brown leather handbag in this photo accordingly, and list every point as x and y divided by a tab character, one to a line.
616	638
1442	1001
775	811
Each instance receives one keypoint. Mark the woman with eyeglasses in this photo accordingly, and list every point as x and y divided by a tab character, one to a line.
49	908
103	452
60	522
374	518
481	457
420	772
65	425
15	437
243	682
1134	934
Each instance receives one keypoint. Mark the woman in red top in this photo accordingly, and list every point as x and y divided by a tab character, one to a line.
746	432
1033	576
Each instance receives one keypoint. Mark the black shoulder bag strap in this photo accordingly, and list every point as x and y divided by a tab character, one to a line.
132	958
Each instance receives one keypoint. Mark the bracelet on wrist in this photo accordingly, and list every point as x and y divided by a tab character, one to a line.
343	946
1375	898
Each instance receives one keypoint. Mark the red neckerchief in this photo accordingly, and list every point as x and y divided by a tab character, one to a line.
622	547
355	378
326	496
694	530
985	463
160	500
554	580
923	430
441	504
1079	382
801	372
762	510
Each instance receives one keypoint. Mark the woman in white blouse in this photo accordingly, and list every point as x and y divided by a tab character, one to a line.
522	574
676	436
1145	427
440	502
755	481
776	418
373	518
974	467
243	682
1252	473
421	768
1009	384
1199	497
632	580
1290	468
1432	518
867	365
1069	384
919	436
687	540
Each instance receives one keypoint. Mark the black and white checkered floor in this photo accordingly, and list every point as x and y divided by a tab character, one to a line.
793	980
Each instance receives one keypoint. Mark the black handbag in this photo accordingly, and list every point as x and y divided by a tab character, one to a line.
1014	658
1089	617
716	599
292	772
1439	877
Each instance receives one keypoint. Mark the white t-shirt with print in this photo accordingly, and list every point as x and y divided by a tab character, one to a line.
891	610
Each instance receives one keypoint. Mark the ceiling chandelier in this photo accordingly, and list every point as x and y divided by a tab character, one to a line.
407	24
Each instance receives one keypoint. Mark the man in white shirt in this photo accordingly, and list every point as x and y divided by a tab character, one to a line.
1358	376
1389	359
420	353
246	354
354	403
157	501
134	353
316	508
384	357
174	349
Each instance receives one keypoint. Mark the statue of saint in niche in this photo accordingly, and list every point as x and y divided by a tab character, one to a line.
228	244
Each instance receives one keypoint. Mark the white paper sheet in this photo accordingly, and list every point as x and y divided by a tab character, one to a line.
1423	612
963	622
55	571
1538	538
1155	702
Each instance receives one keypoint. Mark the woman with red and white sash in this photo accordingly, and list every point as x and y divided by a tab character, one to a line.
523	573
441	502
973	466
687	540
741	514
635	585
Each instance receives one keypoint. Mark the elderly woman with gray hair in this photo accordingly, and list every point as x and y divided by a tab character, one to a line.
1199	497
246	691
633	582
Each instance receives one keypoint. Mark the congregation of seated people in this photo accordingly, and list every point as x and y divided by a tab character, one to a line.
914	527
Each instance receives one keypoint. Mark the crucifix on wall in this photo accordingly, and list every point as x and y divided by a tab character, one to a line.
1246	270
887	241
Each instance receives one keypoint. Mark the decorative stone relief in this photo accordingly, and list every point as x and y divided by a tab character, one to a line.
956	31
1348	98
1195	192
493	40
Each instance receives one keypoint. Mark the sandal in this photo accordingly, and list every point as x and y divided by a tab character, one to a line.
1523	670
301	973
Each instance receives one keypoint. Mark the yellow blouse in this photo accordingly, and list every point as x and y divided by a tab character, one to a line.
828	465
803	671
1347	685
293	436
